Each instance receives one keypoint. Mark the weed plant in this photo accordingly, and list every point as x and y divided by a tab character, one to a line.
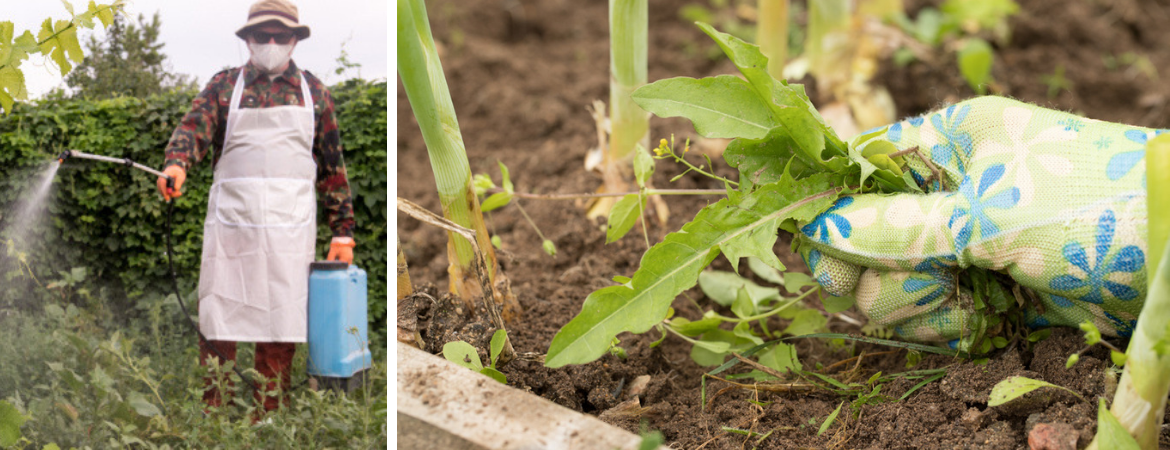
83	382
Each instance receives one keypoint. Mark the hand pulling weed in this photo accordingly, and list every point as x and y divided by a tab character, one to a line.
792	166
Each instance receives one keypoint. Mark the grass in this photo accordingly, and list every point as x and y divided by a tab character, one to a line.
84	382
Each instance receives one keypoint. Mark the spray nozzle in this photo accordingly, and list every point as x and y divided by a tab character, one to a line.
64	155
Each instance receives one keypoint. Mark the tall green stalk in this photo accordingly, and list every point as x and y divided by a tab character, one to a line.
426	88
628	22
1140	401
772	35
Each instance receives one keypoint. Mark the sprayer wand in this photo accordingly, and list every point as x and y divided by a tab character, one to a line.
123	161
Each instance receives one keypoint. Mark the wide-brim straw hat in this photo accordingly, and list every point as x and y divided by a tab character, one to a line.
282	11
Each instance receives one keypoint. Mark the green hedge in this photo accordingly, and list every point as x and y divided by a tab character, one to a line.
109	219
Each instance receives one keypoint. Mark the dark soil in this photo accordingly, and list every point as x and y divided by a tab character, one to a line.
521	74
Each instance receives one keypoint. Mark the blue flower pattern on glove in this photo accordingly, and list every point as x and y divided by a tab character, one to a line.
1124	327
814	259
1122	163
979	203
820	225
1129	260
955	143
938	277
894	134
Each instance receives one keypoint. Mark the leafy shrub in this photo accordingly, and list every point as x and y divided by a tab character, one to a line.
109	219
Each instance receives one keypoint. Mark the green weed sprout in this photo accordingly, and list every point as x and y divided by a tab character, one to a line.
1140	401
463	354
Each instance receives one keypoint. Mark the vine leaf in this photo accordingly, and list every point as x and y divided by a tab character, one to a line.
731	226
59	41
724	106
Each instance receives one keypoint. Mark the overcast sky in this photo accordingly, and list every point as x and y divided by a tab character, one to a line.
199	36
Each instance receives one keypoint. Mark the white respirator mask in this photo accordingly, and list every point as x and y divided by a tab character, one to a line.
270	57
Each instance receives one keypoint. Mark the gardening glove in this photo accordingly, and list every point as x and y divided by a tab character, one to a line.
341	249
1056	201
179	175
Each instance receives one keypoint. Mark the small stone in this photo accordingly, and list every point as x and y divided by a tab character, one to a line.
1052	436
974	419
637	387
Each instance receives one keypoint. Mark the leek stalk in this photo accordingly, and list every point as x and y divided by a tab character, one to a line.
1140	400
772	35
426	89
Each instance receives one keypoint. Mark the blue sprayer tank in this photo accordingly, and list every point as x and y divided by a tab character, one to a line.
337	307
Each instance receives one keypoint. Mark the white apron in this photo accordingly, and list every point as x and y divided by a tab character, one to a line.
261	225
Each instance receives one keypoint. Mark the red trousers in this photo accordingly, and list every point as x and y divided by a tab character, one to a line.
273	360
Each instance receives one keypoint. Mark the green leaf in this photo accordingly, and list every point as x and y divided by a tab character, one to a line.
807	321
59	41
690	328
496	242
763	270
10	422
1092	334
1072	360
494	374
480	183
673	265
795	281
103	14
463	354
1118	358
51	446
496	201
643	165
714	346
621	280
549	247
834	304
724	106
789	105
506	179
1110	434
764	160
623	216
781	357
1014	387
1039	335
499	338
142	406
651	440
723	288
744	306
975	64
829	420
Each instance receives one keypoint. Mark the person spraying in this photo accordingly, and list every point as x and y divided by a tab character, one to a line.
276	150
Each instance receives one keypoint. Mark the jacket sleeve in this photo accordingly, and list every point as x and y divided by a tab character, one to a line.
192	139
332	181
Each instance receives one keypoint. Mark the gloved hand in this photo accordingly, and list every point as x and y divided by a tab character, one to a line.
1056	201
179	175
341	249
